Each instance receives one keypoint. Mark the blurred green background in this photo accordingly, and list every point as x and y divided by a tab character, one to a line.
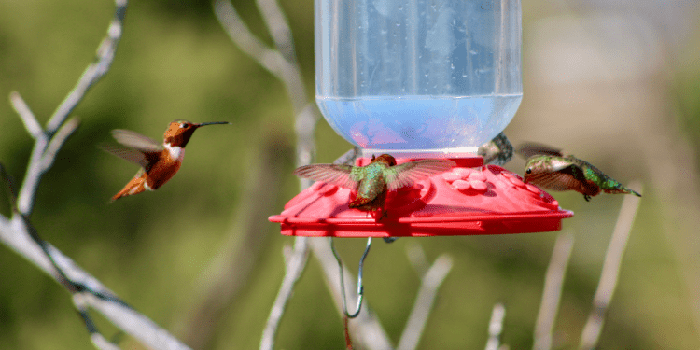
616	83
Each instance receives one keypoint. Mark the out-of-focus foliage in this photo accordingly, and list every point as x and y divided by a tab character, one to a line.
610	88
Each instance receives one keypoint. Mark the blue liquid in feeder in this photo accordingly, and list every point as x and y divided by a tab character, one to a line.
418	74
420	122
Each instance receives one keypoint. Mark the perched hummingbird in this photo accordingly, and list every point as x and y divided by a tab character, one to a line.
373	180
548	168
497	151
158	162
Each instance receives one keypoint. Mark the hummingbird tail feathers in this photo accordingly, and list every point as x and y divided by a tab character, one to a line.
623	191
359	202
136	185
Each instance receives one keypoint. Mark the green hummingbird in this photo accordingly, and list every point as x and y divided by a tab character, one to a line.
373	180
498	151
548	168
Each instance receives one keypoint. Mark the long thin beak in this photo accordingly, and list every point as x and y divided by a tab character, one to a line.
210	123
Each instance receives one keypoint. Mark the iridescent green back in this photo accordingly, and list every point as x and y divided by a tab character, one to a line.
371	179
605	182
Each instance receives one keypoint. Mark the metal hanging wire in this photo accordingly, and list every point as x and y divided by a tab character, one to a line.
360	287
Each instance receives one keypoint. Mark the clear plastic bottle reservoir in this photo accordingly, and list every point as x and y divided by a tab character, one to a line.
418	75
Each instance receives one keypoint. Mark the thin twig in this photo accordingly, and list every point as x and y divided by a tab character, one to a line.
431	281
416	255
33	175
495	326
282	63
98	340
93	73
26	114
611	270
295	263
268	58
305	127
551	294
278	26
57	141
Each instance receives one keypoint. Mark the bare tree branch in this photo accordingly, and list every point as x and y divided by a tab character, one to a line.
56	142
305	127
229	271
270	59
282	63
279	28
495	326
87	290
295	262
551	294
18	233
26	114
94	71
611	271
431	280
416	255
98	340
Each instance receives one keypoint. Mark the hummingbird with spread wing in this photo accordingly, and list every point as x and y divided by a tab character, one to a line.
159	162
373	180
549	168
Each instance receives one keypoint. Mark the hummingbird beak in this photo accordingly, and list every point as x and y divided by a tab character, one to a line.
210	123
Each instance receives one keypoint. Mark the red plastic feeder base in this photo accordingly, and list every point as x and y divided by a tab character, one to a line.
470	199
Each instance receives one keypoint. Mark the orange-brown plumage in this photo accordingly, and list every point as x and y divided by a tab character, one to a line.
159	162
136	185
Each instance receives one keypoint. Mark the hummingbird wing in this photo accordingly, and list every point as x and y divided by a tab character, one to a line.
530	149
405	174
560	175
341	175
559	181
138	149
135	140
144	159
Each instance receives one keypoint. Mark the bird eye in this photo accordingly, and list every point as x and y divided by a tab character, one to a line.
184	125
528	171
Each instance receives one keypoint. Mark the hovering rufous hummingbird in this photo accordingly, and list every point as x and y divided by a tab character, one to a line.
159	162
373	180
548	168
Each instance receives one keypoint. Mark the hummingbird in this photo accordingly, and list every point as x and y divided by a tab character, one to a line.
159	162
548	168
375	179
498	151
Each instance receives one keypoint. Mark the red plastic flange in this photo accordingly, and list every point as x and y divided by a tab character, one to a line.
470	199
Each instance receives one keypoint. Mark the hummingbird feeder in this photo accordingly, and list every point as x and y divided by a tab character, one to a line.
421	80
